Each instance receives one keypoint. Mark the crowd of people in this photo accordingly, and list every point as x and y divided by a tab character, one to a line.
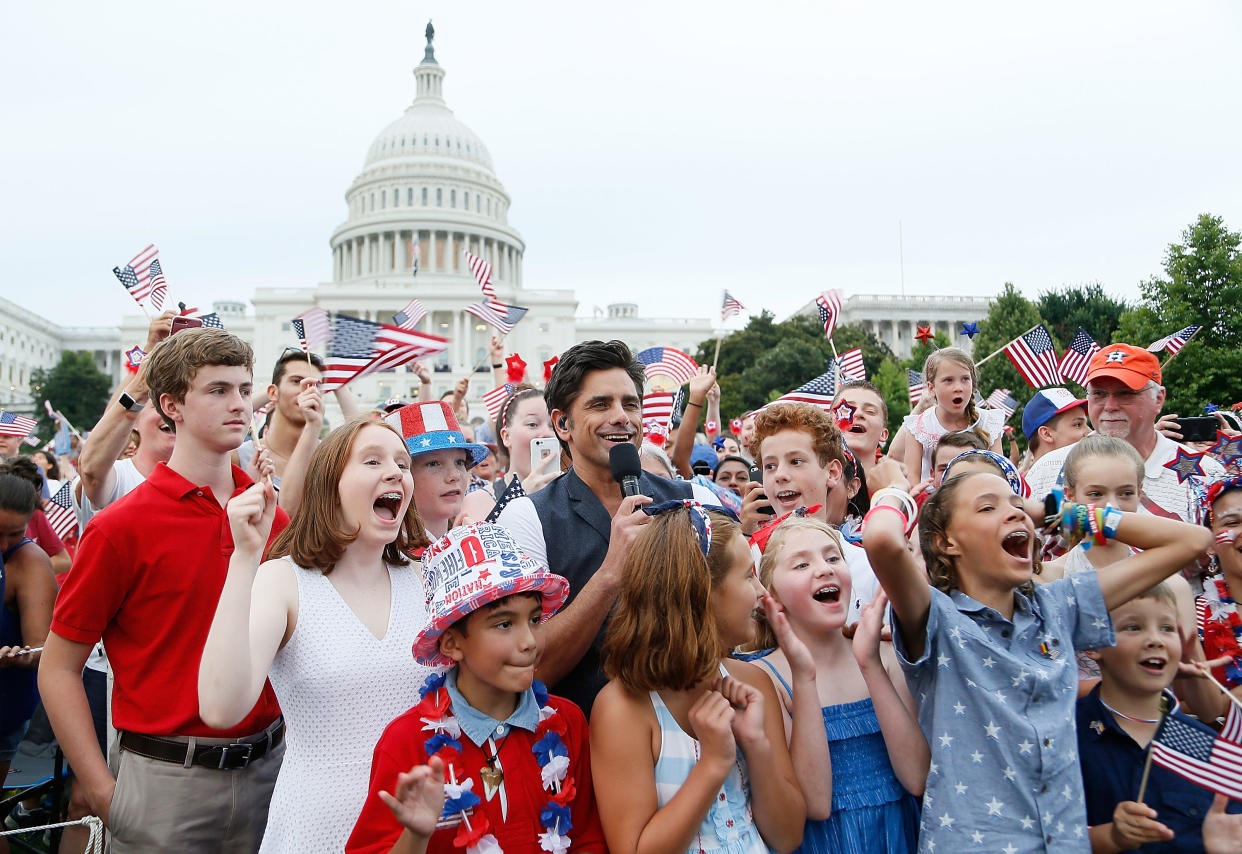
409	634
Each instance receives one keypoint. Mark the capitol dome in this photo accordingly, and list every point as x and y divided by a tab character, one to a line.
427	193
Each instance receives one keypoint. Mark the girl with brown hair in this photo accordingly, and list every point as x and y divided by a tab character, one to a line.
688	749
330	617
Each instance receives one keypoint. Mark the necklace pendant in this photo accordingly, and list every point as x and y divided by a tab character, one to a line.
492	778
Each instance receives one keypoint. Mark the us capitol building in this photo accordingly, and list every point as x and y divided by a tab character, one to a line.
428	189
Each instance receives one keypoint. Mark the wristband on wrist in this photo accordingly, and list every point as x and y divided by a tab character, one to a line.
498	365
877	508
692	403
909	508
1093	528
1112	518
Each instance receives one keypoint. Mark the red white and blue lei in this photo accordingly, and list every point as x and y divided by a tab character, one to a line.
435	709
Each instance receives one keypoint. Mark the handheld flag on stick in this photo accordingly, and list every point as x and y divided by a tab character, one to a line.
1077	357
1174	343
512	491
829	305
851	363
482	272
317	324
1001	399
818	392
668	362
1033	354
409	317
1195	753
495	399
916	385
658	406
12	424
299	329
137	277
497	315
730	307
59	511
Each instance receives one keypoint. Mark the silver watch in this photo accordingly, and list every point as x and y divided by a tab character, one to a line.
129	403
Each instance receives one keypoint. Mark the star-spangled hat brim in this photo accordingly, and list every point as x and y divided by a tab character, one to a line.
505	572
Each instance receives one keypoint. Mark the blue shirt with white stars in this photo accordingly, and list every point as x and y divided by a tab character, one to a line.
996	703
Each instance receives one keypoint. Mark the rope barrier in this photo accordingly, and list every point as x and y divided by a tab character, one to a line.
94	845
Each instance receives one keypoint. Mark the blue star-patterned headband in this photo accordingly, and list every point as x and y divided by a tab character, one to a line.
1008	469
699	517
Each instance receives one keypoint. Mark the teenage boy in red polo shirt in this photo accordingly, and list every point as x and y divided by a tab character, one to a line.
146	579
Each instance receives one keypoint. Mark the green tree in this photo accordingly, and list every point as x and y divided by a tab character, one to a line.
1009	316
75	387
892	381
1086	306
1202	284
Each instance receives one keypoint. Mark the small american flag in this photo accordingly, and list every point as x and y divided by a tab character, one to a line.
60	513
396	346
730	307
658	406
1232	730
916	384
317	325
1035	357
852	367
1198	756
497	315
260	416
299	329
818	392
482	274
1001	399
353	346
136	275
668	362
1077	357
496	398
159	287
409	317
12	424
512	491
211	320
829	305
1175	342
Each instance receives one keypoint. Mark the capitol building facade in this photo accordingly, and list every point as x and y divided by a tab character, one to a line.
428	193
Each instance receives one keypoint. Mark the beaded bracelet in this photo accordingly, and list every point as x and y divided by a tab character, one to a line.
877	508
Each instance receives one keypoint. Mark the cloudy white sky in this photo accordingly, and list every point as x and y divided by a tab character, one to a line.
655	151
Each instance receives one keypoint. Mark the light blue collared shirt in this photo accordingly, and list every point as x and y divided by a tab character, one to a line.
996	703
479	727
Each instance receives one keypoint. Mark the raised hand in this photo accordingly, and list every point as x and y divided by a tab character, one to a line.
310	401
250	517
796	652
701	383
1222	831
867	632
418	798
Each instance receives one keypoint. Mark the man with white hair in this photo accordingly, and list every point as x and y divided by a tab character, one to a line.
1124	399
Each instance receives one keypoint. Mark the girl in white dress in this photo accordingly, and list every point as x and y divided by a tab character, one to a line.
331	620
952	382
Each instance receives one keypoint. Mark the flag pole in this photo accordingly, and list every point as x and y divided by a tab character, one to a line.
1164	711
1207	671
1000	350
719	338
1188	340
486	356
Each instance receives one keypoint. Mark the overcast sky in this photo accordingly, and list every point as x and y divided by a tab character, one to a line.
655	151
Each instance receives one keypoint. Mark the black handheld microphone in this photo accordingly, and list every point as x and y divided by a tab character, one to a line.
623	461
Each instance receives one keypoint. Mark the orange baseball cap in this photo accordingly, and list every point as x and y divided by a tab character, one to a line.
1132	365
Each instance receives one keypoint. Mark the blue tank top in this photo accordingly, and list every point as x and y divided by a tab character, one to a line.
18	685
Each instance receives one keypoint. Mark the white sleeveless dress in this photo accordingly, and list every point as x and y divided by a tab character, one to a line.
338	686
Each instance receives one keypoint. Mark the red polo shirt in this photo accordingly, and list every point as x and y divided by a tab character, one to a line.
147	578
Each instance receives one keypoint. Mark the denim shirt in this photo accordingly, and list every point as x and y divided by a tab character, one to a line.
479	727
996	703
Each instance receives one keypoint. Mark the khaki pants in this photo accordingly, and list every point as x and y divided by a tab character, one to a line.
161	806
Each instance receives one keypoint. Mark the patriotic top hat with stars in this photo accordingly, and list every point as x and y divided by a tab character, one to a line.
428	427
471	566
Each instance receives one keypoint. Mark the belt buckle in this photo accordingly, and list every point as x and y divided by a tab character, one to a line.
245	758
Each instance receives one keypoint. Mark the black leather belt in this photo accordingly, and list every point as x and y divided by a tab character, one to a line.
223	757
